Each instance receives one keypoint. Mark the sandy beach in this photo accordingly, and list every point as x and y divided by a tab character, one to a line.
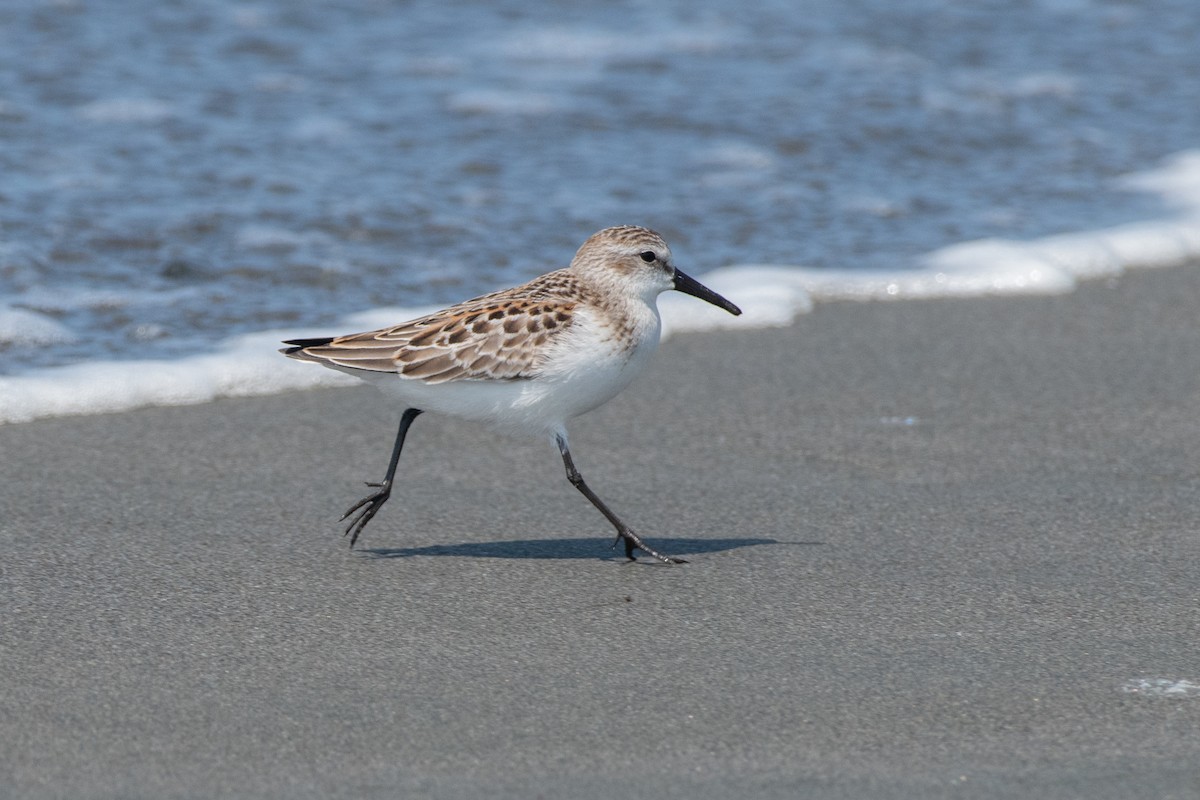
939	549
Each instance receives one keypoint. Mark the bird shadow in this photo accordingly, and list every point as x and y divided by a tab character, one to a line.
588	548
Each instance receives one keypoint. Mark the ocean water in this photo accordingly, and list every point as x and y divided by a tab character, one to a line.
184	183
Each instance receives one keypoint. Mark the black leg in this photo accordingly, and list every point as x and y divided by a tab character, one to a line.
369	505
624	532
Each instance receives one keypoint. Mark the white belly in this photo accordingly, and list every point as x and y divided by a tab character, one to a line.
585	368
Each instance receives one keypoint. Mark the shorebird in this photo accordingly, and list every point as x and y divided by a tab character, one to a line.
524	360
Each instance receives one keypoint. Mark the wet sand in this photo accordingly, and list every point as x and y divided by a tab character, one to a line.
933	545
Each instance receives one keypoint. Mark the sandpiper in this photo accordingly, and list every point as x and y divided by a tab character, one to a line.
525	359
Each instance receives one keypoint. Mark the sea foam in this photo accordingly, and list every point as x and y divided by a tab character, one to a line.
24	327
770	295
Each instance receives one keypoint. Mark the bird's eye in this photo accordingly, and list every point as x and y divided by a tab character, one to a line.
649	256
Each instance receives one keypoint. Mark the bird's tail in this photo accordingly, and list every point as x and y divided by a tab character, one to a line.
299	345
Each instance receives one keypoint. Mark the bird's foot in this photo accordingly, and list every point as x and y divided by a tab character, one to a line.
364	510
632	541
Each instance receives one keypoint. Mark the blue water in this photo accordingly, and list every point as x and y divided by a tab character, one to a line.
172	173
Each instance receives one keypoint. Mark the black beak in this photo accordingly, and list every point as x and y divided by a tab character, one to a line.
689	285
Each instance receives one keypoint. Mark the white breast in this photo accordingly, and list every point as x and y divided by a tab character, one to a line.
586	366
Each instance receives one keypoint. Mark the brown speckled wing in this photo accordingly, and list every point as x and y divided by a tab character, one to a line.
500	336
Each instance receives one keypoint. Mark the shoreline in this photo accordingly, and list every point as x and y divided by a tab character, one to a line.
933	545
771	295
